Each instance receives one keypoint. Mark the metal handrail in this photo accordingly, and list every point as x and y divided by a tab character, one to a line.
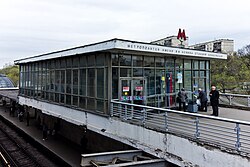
186	113
236	95
163	94
220	131
13	88
237	100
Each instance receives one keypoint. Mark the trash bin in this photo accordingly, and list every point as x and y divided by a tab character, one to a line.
192	106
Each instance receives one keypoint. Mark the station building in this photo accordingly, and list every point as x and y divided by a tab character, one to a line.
74	81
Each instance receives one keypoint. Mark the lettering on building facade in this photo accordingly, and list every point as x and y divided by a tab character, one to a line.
159	49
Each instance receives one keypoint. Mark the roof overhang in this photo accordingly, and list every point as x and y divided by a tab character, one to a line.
131	46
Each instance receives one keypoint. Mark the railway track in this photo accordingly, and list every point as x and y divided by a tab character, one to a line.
18	152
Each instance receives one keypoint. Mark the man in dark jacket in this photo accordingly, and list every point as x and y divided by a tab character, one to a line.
214	99
203	99
182	96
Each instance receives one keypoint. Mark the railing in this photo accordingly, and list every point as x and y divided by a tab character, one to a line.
222	132
162	100
165	100
13	88
235	100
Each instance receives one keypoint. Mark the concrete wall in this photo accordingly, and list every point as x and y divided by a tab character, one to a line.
174	149
96	142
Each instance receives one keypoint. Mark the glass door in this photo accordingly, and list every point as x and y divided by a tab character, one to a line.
133	90
138	91
125	90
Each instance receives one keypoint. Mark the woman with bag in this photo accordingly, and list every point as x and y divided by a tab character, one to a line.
182	96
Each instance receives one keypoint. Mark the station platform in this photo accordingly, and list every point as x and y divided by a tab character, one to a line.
60	147
232	113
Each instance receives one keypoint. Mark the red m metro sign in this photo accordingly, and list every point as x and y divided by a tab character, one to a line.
181	35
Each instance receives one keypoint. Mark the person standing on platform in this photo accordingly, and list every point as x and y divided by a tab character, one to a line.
4	104
20	114
13	108
45	132
28	118
214	100
182	96
39	122
203	99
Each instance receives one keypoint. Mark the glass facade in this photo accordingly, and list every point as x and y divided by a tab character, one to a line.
154	80
76	81
83	81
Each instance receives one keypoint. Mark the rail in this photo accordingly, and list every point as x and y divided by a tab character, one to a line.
5	162
236	100
163	100
13	88
233	135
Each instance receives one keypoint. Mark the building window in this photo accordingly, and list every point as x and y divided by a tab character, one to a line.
100	83
57	81
75	101
137	61
125	60
187	80
52	84
75	82
100	59
68	81
195	64
115	60
100	105
202	65
57	97
149	61
69	62
187	64
83	61
115	76
138	72
75	62
125	72
91	104
91	82
62	86
179	63
91	60
159	62
63	63
83	80
82	102
170	63
68	99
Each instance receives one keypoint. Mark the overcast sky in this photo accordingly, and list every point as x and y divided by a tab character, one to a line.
31	27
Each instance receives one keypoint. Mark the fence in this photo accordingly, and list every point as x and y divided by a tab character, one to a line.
235	100
222	132
162	100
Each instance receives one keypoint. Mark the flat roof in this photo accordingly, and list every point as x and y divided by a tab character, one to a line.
168	37
212	41
115	45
